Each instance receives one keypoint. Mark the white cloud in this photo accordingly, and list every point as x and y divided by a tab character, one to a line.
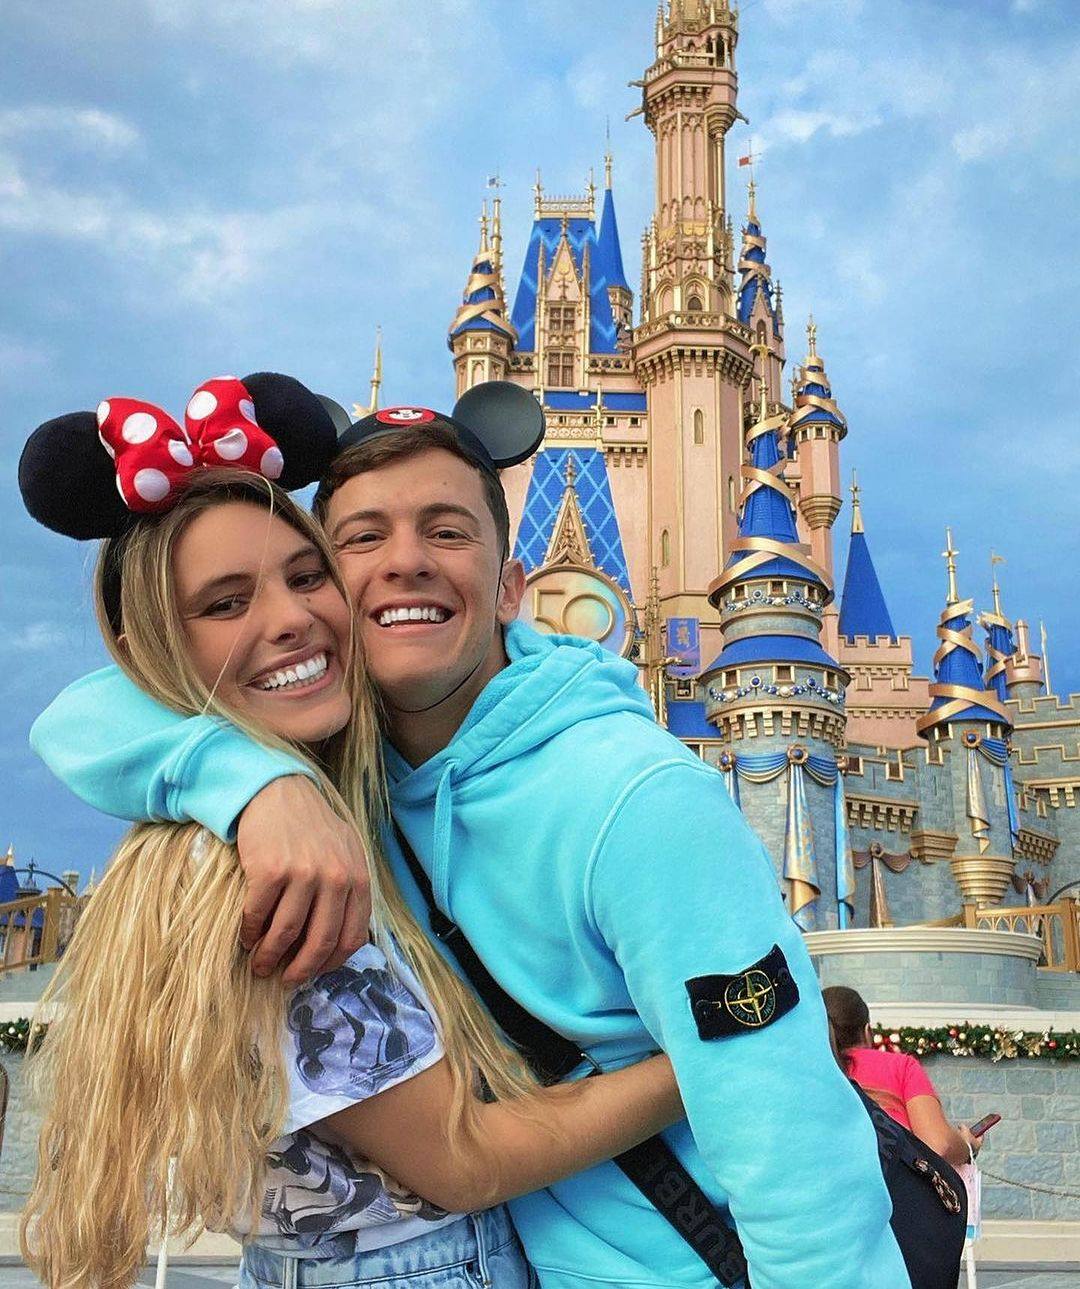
36	637
86	126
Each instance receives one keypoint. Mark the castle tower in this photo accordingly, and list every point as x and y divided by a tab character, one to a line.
757	304
884	699
1024	677
774	693
999	639
481	336
609	263
691	354
966	728
817	425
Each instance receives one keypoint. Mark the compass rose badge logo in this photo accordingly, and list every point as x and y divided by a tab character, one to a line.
751	999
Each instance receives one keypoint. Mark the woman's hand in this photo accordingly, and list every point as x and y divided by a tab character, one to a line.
973	1143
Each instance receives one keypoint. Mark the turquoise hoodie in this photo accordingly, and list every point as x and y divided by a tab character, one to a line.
596	865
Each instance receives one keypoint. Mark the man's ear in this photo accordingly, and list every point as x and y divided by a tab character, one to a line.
511	591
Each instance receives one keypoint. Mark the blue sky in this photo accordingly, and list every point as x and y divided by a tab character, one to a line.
188	186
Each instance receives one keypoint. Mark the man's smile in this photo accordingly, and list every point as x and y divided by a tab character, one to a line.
424	613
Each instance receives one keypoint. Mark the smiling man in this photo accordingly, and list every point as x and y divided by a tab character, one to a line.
600	871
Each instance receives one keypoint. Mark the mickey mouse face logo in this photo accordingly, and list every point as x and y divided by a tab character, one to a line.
405	416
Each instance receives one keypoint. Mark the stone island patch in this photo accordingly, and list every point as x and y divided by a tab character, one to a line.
752	999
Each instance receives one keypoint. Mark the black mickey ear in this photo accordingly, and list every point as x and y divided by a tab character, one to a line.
298	422
342	420
507	420
68	481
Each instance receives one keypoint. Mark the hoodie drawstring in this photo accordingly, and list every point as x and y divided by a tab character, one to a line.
444	822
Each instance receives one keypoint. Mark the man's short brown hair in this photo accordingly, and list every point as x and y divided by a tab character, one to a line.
400	445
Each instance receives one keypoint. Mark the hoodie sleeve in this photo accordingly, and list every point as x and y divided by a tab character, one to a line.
684	895
126	755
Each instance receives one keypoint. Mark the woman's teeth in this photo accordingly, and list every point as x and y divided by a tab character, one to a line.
416	613
304	673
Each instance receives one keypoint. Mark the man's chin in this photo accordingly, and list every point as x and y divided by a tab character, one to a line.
413	692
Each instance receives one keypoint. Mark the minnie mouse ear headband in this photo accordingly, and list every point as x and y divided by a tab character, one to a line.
498	424
90	475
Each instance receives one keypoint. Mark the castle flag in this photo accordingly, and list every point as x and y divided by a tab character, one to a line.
684	643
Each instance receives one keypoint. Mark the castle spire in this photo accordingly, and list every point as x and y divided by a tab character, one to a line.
753	266
483	307
863	611
957	692
376	381
768	543
609	260
999	637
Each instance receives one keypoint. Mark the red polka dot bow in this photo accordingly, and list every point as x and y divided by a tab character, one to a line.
154	455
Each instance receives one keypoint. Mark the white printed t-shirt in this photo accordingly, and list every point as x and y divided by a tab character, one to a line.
349	1034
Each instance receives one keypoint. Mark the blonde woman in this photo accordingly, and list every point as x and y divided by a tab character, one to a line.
338	1128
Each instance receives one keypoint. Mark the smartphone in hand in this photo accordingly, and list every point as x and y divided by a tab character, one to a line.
984	1124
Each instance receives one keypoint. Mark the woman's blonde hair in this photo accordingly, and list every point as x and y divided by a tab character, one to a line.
165	1046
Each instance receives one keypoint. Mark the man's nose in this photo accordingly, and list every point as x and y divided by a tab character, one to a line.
406	554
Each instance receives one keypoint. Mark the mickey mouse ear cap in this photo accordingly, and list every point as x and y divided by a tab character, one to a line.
507	420
498	424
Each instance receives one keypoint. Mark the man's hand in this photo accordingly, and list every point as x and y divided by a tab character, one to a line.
307	875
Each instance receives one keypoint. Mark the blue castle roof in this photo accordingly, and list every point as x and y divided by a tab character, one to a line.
754	281
593	489
863	611
766	513
768	648
960	667
998	637
580	235
609	252
479	296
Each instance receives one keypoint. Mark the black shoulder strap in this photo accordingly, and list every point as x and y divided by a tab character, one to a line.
652	1166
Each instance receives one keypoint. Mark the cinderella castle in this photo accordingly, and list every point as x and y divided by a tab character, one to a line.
681	513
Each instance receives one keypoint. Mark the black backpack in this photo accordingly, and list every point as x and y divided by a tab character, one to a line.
929	1199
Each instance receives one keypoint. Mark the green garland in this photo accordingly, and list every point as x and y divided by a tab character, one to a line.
14	1035
993	1041
997	1042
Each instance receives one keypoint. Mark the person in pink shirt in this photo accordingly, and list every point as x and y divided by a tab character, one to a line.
896	1081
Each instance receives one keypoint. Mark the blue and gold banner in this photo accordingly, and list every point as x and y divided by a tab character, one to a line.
684	643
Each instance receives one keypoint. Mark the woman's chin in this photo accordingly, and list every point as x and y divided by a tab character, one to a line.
298	721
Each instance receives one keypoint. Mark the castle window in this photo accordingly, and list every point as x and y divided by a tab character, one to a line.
731	500
699	425
894	770
560	369
665	548
854	765
561	317
784	673
830	679
635	420
684	687
693	305
776	588
731	678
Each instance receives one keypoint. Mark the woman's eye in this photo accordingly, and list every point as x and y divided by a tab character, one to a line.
225	608
310	581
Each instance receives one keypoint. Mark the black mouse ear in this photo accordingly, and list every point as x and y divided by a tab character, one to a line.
507	420
68	481
342	420
298	421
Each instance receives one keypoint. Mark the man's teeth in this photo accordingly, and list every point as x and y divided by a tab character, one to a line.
415	613
304	673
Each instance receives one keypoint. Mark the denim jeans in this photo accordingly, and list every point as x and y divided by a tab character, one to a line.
476	1252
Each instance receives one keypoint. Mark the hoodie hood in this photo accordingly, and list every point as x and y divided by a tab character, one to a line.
552	682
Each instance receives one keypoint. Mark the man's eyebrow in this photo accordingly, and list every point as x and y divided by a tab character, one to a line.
425	513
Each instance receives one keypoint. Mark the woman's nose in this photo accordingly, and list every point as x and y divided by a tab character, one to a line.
287	614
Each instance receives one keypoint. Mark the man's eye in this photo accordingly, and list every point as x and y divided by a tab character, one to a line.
358	539
448	534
